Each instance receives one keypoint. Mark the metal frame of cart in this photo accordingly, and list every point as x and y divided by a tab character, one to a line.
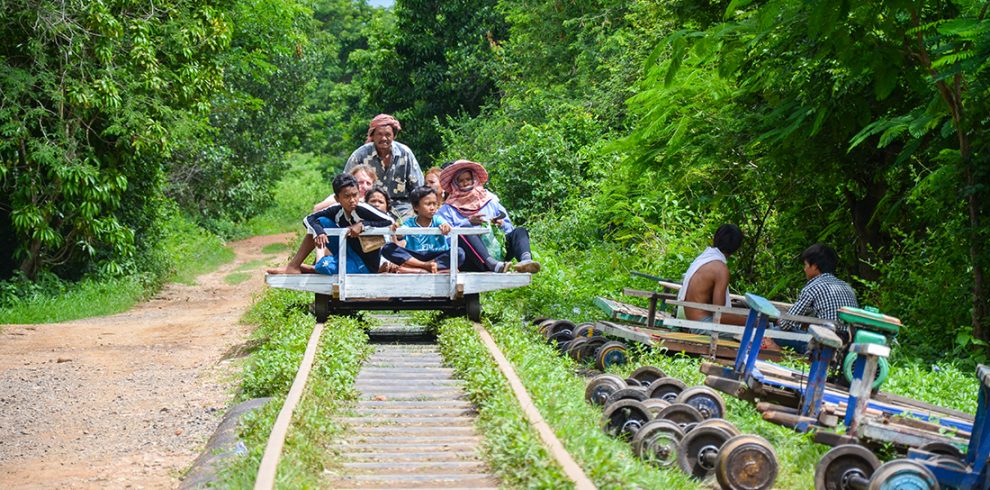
454	292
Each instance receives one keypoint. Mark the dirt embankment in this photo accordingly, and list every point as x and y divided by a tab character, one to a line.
125	401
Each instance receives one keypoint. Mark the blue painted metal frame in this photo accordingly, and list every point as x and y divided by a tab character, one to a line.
977	474
814	393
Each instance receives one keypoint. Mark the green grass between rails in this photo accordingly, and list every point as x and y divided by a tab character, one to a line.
511	446
284	327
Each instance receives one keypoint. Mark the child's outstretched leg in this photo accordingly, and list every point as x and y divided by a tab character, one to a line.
405	259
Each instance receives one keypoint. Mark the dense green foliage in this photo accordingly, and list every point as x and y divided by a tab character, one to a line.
185	252
622	132
284	327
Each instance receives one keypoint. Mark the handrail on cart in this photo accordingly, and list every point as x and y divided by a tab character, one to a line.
455	234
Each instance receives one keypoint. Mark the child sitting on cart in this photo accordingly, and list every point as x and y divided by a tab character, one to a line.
349	212
429	253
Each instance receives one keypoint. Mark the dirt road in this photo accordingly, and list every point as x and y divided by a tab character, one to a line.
129	400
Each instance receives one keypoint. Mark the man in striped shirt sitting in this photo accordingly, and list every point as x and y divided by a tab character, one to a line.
822	296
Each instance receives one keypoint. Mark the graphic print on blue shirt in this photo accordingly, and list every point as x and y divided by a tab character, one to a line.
426	243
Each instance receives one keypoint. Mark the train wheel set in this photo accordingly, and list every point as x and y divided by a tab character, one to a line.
670	425
582	342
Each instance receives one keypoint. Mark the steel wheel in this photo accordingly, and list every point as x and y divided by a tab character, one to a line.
544	325
587	329
630	393
655	405
647	374
843	463
698	452
610	354
599	388
562	337
721	424
558	326
746	462
656	442
576	347
705	399
681	414
942	449
948	462
903	474
624	418
665	389
472	307
630	381
591	347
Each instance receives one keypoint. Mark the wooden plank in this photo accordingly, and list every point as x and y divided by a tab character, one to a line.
366	286
637	293
310	283
710	308
678	341
676	286
480	282
734	329
627	312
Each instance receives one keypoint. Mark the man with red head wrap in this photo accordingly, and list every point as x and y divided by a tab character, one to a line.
394	162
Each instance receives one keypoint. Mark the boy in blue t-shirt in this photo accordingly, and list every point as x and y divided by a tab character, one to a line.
427	252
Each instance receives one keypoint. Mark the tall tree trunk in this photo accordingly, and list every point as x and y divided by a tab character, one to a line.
29	266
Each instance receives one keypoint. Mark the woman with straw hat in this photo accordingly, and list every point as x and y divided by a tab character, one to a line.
470	204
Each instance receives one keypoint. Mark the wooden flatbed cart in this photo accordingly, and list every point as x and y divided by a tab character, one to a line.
933	437
656	327
454	292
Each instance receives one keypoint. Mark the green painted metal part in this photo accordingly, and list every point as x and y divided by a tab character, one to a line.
868	337
883	369
870	319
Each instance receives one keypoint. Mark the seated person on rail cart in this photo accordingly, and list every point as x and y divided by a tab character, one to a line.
350	213
366	179
707	279
394	163
429	253
470	204
821	297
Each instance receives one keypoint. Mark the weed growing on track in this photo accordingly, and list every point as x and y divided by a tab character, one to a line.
284	327
559	395
512	447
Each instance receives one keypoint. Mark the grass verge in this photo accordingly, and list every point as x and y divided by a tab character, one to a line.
284	326
511	446
190	249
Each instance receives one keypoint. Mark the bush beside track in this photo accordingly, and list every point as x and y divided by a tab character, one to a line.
284	326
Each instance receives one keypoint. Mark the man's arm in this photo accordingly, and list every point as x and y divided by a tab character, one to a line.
801	307
372	217
719	296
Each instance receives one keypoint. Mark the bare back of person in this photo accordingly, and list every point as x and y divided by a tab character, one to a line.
708	286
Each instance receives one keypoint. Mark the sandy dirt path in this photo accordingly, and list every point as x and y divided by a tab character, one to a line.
129	400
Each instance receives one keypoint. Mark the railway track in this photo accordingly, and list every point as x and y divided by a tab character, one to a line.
412	425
